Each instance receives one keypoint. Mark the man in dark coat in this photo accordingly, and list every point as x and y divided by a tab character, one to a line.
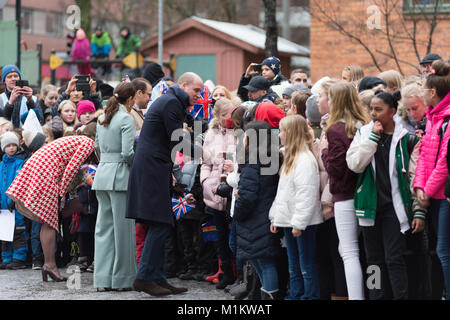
148	197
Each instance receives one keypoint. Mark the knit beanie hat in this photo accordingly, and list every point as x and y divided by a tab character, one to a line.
312	109
370	82
9	69
85	106
33	140
273	63
153	73
270	113
7	138
294	87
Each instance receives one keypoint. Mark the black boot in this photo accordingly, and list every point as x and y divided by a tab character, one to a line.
239	280
227	278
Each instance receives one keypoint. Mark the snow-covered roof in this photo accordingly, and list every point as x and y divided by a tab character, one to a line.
253	35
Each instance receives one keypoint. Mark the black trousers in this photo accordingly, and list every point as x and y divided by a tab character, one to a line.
385	245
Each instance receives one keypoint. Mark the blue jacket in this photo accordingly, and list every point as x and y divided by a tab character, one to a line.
9	168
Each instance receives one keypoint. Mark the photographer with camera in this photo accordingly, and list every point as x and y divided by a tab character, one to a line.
80	87
18	97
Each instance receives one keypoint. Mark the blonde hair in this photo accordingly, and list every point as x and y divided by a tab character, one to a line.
298	139
227	92
48	133
47	89
60	108
392	78
346	105
356	73
327	85
412	90
366	96
218	107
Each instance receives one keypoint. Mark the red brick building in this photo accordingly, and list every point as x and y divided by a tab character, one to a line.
369	34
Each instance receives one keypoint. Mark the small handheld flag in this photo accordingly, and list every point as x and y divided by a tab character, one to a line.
180	206
203	107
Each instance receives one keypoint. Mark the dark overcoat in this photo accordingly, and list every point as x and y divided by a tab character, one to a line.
148	196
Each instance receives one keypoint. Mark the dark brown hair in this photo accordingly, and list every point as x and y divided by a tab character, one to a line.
122	93
299	100
140	84
440	80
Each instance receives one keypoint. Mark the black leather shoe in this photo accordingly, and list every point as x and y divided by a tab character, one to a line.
150	287
16	265
174	290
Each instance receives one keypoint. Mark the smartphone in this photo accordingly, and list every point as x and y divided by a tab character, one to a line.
82	83
82	78
257	68
22	83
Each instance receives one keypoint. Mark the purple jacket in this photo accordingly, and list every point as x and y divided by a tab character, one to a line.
342	179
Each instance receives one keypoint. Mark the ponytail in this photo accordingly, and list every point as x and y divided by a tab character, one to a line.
121	94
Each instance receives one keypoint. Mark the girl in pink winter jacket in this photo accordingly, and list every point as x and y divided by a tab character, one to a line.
218	142
432	171
81	50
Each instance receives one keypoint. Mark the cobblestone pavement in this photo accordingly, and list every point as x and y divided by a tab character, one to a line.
27	284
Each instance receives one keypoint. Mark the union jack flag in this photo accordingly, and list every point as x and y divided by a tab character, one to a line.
180	206
209	231
203	107
90	169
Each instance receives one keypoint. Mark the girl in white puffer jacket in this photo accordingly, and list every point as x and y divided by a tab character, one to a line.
296	208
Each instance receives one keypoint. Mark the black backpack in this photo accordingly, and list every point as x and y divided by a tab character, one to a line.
441	132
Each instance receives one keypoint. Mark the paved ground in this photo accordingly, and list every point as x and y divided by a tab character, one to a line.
27	285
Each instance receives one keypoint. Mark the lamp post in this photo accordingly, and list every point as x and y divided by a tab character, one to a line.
160	32
19	27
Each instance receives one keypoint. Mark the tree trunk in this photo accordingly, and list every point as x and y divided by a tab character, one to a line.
270	23
85	8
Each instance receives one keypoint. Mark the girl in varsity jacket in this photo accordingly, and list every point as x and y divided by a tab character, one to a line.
384	155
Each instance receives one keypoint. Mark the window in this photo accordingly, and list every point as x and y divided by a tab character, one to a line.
426	6
27	20
53	23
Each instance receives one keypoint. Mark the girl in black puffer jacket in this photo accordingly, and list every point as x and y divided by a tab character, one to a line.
256	191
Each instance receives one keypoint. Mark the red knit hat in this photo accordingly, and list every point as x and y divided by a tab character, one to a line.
85	106
270	113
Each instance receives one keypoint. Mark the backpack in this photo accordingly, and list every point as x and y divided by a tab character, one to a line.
441	132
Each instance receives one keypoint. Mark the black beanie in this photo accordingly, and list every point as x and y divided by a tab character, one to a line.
369	83
153	73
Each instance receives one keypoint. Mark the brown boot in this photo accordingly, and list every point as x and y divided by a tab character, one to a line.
150	287
173	289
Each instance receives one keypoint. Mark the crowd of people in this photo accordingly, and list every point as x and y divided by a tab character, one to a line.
287	190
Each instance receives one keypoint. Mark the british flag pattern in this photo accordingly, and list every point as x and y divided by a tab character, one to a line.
203	107
47	176
180	206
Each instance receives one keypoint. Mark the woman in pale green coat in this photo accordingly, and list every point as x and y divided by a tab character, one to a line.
115	242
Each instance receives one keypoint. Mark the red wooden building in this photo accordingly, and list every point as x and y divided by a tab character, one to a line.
219	51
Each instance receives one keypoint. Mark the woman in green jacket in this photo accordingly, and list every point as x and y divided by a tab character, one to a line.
115	243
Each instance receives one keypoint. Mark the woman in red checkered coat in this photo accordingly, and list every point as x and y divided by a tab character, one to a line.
44	178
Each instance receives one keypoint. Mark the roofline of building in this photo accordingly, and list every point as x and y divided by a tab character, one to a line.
193	23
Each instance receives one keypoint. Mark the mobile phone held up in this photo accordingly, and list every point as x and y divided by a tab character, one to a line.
257	68
82	83
22	83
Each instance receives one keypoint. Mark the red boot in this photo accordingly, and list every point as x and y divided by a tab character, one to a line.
215	277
